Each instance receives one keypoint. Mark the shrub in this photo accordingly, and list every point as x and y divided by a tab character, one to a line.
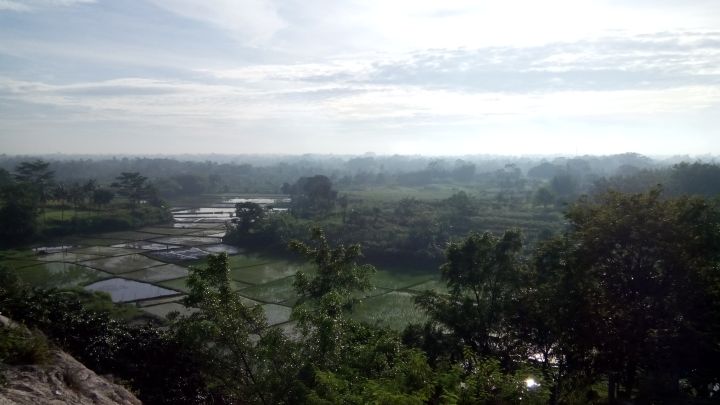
18	345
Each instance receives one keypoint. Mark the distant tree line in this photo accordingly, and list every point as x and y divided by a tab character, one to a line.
178	177
31	196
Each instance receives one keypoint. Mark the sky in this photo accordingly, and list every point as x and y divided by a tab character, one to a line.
510	77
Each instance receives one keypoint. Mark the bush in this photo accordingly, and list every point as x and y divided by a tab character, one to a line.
18	345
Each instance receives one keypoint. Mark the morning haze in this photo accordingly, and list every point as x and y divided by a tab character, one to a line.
360	202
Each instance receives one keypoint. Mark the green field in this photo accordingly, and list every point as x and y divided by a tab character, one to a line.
395	310
56	275
431	192
259	279
276	291
122	264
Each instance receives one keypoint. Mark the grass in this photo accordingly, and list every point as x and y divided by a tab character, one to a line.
67	257
276	314
187	240
395	310
90	242
273	292
122	264
56	214
158	301
433	285
18	345
257	270
180	284
158	273
59	275
397	279
163	310
129	236
215	233
17	259
166	230
390	194
106	251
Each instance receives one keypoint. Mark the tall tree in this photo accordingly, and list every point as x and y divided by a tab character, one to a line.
484	276
18	215
248	215
642	275
131	185
241	354
102	196
37	175
312	195
61	193
543	197
325	295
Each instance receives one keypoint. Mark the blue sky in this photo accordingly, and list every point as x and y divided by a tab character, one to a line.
453	77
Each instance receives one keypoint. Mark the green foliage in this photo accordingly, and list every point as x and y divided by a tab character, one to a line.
650	267
102	196
484	278
18	345
406	379
311	196
160	368
241	356
36	176
18	215
407	232
622	294
484	382
135	188
249	217
336	269
112	218
696	178
543	197
564	185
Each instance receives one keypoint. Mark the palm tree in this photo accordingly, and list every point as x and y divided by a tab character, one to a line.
60	193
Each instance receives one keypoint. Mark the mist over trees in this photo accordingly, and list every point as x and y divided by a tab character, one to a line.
584	280
267	174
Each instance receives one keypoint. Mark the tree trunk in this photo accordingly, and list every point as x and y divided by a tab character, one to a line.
612	389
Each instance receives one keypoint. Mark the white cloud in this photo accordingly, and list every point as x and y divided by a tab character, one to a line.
178	101
13	6
252	21
350	26
337	73
34	5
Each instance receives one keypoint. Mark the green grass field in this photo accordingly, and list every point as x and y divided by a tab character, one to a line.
399	279
395	310
275	291
59	275
431	192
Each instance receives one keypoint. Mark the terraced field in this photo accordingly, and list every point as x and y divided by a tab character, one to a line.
149	268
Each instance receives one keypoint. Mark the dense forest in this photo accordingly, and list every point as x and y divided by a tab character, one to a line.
588	280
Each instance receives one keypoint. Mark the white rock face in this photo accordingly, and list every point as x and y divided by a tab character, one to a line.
63	380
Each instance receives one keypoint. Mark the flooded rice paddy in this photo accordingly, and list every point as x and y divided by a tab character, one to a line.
149	268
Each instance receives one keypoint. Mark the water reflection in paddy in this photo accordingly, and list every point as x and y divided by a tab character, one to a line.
122	290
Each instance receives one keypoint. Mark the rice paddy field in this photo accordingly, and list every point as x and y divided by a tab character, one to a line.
149	268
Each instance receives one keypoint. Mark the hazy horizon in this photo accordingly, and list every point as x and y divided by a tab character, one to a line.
512	78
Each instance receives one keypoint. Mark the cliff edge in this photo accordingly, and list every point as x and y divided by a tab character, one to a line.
63	380
59	380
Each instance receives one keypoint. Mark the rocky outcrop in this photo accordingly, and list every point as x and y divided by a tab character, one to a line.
63	380
59	380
